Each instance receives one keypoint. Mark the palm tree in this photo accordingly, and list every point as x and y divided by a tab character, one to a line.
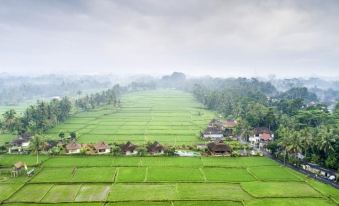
290	142
36	145
284	141
244	130
307	139
10	121
295	144
326	138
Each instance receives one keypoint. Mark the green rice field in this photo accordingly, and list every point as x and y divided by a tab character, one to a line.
160	181
169	116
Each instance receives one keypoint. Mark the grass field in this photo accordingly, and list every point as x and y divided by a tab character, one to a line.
163	181
168	116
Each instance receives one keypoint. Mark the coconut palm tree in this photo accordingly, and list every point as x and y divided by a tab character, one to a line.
307	139
36	146
244	130
284	141
326	139
295	144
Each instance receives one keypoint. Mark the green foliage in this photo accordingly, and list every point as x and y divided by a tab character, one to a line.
73	135
299	93
289	106
142	151
107	97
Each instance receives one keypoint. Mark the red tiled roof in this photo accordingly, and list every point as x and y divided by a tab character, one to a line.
101	145
266	136
73	146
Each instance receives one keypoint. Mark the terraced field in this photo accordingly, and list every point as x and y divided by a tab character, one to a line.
169	116
162	181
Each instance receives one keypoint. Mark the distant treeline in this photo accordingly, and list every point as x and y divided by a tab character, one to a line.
37	118
92	101
44	115
17	89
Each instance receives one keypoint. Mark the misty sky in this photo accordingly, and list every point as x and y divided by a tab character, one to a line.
286	38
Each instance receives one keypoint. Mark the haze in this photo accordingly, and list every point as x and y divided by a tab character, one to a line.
220	38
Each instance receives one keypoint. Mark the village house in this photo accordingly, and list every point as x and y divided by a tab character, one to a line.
73	148
229	126
20	144
128	148
213	133
102	148
261	135
219	148
155	148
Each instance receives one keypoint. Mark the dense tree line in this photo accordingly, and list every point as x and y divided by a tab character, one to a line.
92	101
304	128
40	117
239	98
18	89
37	118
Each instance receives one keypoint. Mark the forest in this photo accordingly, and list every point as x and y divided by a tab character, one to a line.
301	123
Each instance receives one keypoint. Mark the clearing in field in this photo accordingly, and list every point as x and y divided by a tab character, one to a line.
168	116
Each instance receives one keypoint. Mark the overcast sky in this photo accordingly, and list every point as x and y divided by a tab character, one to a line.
219	38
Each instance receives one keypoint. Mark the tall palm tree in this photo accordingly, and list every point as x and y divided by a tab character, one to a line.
10	120
284	141
326	139
36	146
295	144
244	130
307	139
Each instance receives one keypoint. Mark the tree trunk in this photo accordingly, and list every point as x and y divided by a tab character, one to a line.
37	157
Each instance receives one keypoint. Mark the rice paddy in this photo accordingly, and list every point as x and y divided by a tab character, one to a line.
169	116
115	181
